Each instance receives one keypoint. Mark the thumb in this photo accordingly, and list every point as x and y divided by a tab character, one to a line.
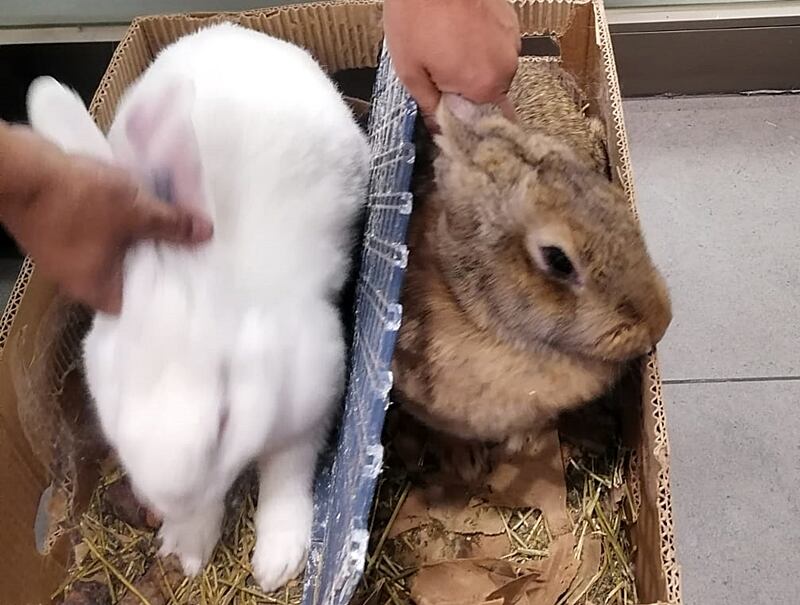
101	292
108	296
154	219
425	93
507	107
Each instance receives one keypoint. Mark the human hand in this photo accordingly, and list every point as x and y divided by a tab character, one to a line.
466	47
77	217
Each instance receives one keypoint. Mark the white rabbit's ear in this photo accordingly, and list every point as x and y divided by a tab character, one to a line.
161	134
58	114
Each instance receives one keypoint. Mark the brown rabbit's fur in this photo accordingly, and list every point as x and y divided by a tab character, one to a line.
548	100
492	346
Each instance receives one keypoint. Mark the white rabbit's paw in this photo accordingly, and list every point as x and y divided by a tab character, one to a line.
192	541
280	553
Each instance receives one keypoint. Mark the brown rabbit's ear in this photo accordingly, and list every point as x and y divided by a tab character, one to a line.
462	109
464	125
457	117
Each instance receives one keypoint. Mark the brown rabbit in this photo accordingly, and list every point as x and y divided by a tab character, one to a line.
529	285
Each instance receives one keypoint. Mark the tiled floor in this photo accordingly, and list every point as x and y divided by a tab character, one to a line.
717	181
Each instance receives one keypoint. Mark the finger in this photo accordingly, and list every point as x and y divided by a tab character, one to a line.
105	298
154	219
425	93
110	291
491	82
109	299
507	107
487	86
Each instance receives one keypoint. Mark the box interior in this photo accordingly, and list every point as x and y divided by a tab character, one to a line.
50	448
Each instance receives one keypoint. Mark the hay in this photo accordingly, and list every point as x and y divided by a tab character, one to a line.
599	505
115	561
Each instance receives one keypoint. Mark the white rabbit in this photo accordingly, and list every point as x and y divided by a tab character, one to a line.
232	352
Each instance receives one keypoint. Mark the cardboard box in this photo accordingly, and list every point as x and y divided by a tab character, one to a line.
49	448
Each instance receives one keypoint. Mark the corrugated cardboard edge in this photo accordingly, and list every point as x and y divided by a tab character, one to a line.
537	17
624	170
356	21
14	301
661	452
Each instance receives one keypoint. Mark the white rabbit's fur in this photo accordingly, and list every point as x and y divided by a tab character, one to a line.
232	352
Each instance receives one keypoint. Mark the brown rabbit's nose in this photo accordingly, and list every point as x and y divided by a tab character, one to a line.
658	331
661	317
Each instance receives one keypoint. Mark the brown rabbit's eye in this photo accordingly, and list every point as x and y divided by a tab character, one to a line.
558	263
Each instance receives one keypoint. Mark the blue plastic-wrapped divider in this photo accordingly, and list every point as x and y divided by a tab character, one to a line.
346	482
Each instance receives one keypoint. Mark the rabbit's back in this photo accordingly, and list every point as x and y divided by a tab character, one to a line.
284	162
